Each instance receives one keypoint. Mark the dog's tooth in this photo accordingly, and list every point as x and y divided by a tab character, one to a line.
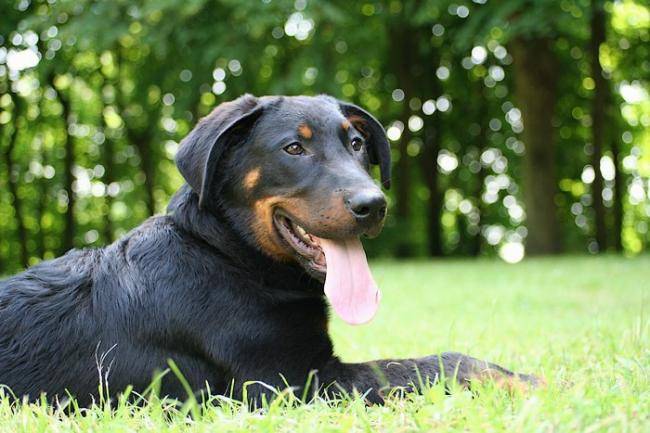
300	230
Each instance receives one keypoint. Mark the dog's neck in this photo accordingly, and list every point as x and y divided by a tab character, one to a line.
213	228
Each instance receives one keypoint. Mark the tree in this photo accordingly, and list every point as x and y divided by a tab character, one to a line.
598	118
68	164
13	175
530	29
536	75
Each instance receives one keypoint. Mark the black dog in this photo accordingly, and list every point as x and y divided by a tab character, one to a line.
229	284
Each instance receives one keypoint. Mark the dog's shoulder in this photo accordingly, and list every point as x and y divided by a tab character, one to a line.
158	259
159	245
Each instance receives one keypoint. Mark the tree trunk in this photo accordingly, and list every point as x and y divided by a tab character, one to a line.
536	75
401	63
109	176
429	167
598	109
43	186
12	182
108	150
140	138
403	174
414	67
146	149
482	120
142	142
68	177
41	205
619	189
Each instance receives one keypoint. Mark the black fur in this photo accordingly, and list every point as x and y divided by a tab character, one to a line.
192	286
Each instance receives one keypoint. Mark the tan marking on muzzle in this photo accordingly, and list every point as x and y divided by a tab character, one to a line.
305	131
251	179
329	216
264	230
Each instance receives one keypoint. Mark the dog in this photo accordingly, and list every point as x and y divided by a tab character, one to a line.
233	282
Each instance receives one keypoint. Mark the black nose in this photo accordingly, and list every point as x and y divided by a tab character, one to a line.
367	205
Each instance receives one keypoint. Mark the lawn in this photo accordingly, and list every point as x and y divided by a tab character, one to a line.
581	322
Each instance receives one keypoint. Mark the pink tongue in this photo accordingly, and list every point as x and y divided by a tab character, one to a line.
349	285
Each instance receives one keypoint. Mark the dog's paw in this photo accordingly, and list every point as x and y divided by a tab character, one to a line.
469	371
511	382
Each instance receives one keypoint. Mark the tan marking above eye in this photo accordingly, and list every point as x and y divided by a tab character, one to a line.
252	178
305	131
345	124
360	124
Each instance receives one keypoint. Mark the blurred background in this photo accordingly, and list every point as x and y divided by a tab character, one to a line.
519	127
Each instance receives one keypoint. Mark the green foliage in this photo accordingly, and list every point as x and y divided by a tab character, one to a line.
508	19
136	75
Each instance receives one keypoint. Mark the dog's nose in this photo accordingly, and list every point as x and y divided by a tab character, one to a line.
367	205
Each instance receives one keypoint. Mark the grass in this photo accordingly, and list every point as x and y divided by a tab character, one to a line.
581	322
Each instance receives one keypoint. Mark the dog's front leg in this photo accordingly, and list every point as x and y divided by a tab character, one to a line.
376	379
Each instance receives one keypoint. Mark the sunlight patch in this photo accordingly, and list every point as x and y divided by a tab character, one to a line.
512	252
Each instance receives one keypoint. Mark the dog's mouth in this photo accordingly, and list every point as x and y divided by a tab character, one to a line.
305	245
340	263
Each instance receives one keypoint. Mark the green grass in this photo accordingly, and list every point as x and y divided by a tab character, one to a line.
581	322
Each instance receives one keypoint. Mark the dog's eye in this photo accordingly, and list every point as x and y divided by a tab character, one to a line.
294	149
357	143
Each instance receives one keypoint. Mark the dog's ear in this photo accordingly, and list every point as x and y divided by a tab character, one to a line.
203	148
378	145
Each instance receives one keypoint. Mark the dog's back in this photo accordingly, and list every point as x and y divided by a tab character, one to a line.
102	317
46	321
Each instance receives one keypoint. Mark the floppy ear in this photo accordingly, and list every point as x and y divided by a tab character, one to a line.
378	145
201	151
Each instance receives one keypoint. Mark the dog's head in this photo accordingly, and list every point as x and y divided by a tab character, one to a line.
292	175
